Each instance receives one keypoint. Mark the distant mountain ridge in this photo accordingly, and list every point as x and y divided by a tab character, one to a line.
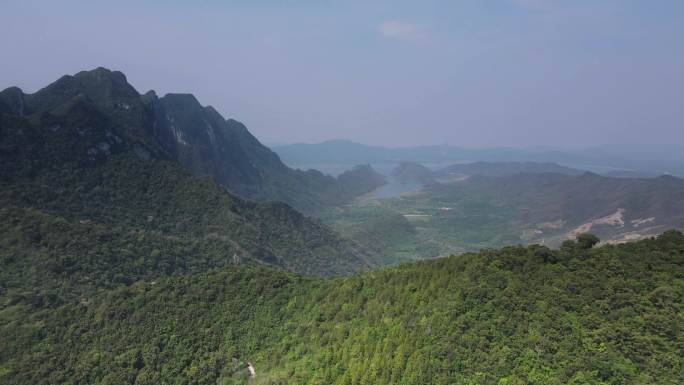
503	169
178	127
409	171
644	160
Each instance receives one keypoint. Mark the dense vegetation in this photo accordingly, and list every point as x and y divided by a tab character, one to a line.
96	219
130	199
481	211
519	315
82	154
120	267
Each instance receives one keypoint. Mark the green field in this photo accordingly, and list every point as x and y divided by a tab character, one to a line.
422	226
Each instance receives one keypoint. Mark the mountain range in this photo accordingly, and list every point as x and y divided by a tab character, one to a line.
142	243
90	155
179	128
502	169
643	160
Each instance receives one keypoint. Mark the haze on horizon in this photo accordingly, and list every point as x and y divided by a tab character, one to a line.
516	73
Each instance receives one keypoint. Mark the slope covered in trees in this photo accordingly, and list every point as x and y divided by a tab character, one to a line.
84	178
519	315
121	267
126	198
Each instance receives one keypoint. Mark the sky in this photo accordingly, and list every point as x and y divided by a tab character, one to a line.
473	73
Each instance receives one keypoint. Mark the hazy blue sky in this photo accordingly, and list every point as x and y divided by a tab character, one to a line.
464	72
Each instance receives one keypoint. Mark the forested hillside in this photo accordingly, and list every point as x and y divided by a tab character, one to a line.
87	188
517	220
519	315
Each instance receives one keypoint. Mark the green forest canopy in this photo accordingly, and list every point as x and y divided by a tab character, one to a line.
518	315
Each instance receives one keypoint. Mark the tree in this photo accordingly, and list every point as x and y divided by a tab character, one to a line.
586	241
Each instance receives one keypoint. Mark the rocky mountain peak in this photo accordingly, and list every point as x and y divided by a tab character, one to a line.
12	101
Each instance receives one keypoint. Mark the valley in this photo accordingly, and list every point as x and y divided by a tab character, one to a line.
468	207
148	240
347	192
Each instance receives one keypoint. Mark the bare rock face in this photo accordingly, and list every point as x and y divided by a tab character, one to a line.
202	140
252	371
12	101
